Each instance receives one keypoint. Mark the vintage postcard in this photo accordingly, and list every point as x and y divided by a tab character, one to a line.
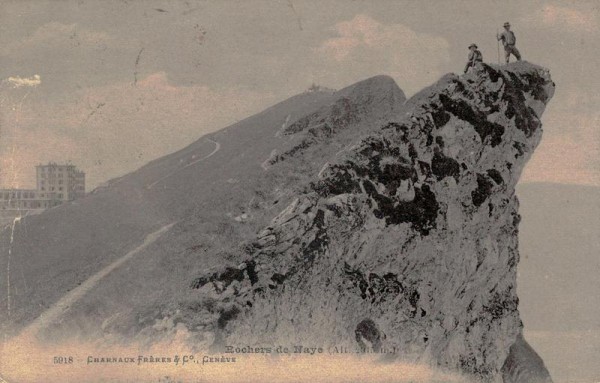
299	191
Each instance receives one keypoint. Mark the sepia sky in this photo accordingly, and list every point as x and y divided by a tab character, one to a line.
111	85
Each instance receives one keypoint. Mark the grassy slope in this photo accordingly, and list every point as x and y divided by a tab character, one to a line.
57	250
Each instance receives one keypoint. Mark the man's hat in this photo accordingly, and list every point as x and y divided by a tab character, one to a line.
473	45
507	24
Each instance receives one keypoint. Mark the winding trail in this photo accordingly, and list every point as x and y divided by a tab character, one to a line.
216	149
59	308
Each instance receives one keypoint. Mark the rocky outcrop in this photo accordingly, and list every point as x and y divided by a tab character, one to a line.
408	240
524	365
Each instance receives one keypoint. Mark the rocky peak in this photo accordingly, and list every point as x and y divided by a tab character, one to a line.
408	239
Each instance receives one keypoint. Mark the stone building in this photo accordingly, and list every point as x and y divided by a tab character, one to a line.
66	181
55	184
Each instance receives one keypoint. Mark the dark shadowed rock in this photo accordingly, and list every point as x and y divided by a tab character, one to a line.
524	365
409	239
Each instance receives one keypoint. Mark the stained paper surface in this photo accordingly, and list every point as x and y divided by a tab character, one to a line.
157	156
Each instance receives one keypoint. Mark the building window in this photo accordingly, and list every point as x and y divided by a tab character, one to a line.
60	188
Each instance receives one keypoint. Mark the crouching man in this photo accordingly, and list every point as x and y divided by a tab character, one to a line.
475	57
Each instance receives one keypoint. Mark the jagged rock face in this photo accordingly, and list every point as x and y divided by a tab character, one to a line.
409	240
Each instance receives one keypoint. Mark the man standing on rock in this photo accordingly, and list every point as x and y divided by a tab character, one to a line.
509	40
475	56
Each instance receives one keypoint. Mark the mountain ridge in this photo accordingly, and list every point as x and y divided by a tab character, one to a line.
440	179
115	218
357	217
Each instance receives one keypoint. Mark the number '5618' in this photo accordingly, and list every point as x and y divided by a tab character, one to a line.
63	359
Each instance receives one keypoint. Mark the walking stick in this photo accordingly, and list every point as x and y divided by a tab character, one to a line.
498	46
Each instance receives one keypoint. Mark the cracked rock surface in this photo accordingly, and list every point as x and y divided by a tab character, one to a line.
408	239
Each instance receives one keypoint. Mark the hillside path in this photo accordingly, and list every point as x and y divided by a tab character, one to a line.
59	308
216	149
